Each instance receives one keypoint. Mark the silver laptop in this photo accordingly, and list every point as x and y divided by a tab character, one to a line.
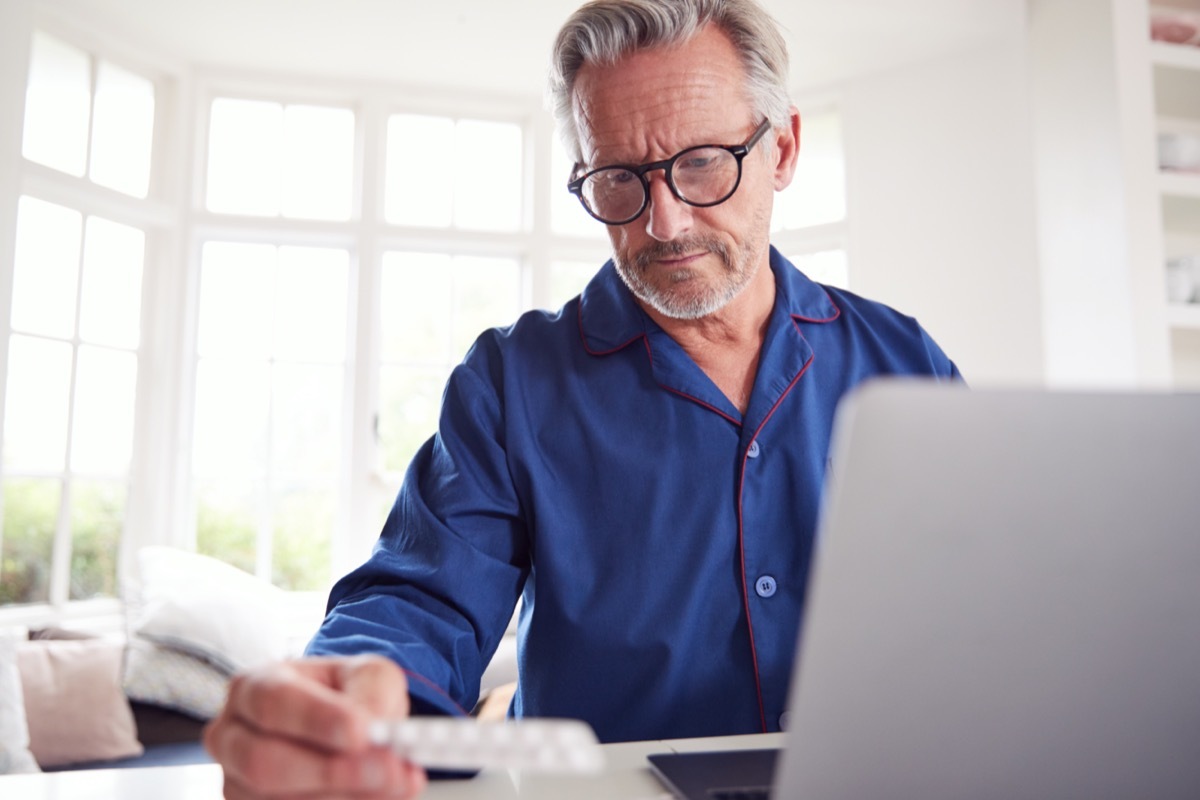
1005	603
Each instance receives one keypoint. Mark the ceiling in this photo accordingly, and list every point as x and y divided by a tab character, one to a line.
502	46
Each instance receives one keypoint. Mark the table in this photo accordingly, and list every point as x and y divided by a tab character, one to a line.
626	776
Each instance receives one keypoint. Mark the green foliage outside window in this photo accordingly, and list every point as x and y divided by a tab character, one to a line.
226	533
31	509
27	540
300	545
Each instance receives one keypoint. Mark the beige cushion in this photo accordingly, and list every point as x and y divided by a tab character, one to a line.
74	704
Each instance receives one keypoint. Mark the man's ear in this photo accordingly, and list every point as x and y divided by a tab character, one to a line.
787	150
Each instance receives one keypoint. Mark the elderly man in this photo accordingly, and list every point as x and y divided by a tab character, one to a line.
642	467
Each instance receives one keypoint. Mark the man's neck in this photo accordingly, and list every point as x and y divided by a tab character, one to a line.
726	344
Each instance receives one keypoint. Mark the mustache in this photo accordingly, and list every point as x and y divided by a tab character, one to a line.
680	247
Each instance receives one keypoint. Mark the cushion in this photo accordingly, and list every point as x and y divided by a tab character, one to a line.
15	755
74	703
171	679
209	609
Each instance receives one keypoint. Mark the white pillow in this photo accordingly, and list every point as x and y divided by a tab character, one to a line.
207	608
14	732
171	679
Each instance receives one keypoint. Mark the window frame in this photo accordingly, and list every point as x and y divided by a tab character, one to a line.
176	224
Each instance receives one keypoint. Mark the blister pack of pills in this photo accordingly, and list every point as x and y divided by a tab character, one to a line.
465	744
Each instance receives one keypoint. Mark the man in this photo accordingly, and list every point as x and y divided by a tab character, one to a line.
644	467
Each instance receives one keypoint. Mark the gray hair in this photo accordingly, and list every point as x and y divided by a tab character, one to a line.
603	31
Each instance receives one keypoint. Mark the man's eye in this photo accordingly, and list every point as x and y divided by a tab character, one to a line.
697	162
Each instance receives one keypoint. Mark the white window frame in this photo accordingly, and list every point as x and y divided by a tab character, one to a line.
177	224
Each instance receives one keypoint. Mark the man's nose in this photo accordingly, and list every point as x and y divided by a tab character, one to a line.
667	216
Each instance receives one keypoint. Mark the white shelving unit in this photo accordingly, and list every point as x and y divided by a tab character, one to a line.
1176	76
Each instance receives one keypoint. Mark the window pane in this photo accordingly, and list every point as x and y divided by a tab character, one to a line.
46	268
105	391
303	535
310	308
111	307
306	421
828	266
237	287
245	157
36	402
27	539
122	130
414	307
487	175
227	524
97	517
566	212
817	194
567	279
231	419
487	294
410	400
419	153
318	162
57	106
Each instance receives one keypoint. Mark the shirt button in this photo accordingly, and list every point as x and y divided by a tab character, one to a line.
765	586
784	719
752	450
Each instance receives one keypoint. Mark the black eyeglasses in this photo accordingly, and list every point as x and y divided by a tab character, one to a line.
703	176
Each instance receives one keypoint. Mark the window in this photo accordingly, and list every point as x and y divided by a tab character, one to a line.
87	117
808	223
442	172
244	364
74	341
432	307
70	403
268	159
269	383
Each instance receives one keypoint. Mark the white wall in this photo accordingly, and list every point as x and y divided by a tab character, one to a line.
941	205
1097	201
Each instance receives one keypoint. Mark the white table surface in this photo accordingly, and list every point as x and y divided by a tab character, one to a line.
626	777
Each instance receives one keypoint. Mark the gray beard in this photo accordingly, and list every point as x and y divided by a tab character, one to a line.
677	305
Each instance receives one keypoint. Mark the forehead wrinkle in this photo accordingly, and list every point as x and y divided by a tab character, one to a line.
657	127
654	103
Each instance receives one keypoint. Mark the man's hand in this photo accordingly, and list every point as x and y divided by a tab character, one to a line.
299	728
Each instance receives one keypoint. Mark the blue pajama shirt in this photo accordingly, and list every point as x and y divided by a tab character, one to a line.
660	538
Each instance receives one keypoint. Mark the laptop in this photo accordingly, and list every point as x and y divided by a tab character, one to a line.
1005	603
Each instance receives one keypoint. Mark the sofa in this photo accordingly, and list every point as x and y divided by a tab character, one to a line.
141	697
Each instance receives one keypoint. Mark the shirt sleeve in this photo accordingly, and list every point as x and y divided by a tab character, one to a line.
440	586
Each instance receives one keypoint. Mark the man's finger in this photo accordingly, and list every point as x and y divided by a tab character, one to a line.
377	685
274	766
304	700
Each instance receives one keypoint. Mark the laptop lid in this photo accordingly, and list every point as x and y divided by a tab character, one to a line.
1006	599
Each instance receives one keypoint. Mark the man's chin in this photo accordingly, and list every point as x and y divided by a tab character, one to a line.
686	305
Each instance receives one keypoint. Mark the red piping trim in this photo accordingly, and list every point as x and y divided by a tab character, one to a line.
425	681
762	712
837	311
584	339
702	404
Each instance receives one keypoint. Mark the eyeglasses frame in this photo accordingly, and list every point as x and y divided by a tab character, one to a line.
738	151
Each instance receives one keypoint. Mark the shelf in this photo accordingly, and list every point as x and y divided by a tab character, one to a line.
1180	56
1179	184
1183	316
